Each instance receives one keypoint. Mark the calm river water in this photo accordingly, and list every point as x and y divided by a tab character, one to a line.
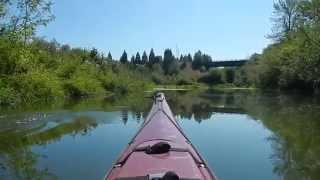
242	135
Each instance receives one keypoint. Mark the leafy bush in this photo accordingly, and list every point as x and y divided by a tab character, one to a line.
37	85
8	95
214	77
229	75
84	82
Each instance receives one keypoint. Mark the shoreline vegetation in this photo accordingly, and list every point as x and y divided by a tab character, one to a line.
33	69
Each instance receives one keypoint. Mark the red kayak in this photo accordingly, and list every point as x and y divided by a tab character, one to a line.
160	150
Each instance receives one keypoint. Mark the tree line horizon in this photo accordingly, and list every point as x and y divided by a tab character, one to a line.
198	60
179	57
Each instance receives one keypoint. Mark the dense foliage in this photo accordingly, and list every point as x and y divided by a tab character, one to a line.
47	70
293	60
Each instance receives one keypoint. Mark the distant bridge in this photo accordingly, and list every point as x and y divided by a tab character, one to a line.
231	63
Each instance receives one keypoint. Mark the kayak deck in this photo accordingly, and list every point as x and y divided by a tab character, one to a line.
160	131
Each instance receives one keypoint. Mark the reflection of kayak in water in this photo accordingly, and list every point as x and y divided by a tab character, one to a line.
160	150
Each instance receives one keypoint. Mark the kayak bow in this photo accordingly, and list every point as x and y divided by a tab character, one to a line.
160	150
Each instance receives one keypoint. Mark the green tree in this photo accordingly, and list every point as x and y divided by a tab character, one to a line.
181	58
183	62
206	61
310	27
144	58
285	18
158	60
197	60
94	56
189	59
138	58
152	59
229	75
28	15
65	48
109	57
170	64
201	61
3	5
124	58
133	60
214	77
3	12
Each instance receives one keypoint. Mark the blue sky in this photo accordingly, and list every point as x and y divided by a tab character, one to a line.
224	29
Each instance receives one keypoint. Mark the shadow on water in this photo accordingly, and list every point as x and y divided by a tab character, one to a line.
293	120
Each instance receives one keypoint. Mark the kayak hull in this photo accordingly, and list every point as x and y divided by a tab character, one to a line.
182	158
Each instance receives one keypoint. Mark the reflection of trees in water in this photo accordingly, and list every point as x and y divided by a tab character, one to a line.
230	99
187	105
295	123
293	160
124	116
184	112
202	111
79	126
202	105
281	158
138	116
21	162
